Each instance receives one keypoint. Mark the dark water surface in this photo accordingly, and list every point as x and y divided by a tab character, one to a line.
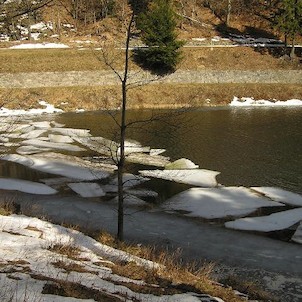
249	146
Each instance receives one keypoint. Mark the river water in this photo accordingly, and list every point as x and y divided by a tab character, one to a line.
249	146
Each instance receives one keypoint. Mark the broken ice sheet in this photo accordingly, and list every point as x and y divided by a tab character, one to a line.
27	150
148	160
221	202
56	181
131	200
58	138
274	222
130	180
87	189
52	145
33	134
25	186
195	177
181	164
72	132
142	193
68	166
280	195
42	125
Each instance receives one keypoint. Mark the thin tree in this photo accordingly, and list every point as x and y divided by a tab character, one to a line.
120	157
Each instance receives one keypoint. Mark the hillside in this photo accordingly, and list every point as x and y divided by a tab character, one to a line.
249	43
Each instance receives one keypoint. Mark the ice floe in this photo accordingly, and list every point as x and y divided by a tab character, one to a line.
87	189
148	160
280	195
99	144
130	200
72	132
57	138
25	186
129	180
41	125
181	164
57	181
195	177
27	150
33	134
221	202
274	222
244	102
142	193
59	166
52	145
297	237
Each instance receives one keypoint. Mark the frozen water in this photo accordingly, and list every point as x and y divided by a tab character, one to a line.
25	186
87	189
221	202
280	195
195	177
274	222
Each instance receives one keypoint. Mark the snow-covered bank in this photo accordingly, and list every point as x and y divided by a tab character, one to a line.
246	102
37	256
39	46
13	112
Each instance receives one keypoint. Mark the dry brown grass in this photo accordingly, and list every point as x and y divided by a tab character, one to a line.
8	206
250	288
149	96
45	60
68	250
175	274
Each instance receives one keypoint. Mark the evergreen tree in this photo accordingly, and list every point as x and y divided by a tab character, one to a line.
157	27
289	20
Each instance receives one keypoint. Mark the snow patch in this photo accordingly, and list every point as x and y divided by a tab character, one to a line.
39	45
48	109
246	102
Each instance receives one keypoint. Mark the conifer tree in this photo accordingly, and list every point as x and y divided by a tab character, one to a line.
158	32
289	20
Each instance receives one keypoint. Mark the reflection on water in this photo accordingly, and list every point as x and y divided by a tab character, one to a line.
249	146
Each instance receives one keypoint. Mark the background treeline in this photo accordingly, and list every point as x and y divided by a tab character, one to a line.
195	17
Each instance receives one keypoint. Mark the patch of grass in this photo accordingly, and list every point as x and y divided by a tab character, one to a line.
175	273
8	206
71	267
75	290
250	288
45	60
68	289
68	250
149	96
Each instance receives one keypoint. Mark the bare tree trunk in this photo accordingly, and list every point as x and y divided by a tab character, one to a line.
228	16
292	51
121	161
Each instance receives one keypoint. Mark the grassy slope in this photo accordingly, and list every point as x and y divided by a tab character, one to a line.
92	98
238	58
